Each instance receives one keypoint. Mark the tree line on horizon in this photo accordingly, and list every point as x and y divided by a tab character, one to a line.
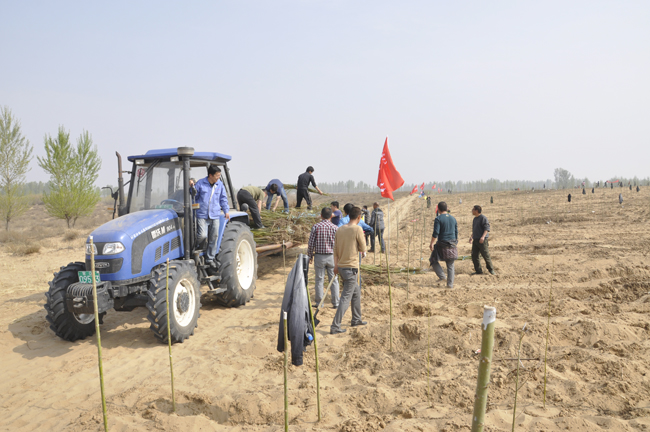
563	179
71	192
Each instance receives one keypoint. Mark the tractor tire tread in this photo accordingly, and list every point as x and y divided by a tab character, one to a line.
157	302
63	323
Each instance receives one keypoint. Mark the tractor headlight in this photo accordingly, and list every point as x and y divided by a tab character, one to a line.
91	251
113	248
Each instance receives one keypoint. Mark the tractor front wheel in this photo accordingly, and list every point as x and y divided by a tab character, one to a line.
184	301
67	325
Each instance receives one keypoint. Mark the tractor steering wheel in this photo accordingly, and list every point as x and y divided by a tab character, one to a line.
176	205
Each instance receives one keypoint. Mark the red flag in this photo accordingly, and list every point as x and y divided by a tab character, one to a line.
389	178
422	187
433	187
415	189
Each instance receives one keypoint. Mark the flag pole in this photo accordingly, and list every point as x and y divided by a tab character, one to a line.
390	292
388	240
389	180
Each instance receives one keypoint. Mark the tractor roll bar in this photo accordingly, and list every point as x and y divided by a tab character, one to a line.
232	191
120	185
185	153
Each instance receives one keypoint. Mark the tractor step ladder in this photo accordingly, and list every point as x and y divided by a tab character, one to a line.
217	291
205	278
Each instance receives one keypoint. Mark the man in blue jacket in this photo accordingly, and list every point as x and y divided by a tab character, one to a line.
367	229
276	188
212	198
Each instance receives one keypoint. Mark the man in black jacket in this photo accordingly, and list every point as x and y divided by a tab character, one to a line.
479	241
302	187
377	223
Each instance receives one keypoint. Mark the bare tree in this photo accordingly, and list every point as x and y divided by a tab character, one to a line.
15	155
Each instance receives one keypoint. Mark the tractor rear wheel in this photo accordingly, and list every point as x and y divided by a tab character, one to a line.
184	299
237	265
67	325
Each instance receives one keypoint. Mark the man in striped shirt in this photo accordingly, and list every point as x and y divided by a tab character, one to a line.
321	253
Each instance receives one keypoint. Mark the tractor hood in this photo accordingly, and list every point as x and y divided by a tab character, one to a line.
126	228
149	237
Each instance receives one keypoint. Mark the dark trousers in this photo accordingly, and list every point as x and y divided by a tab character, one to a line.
243	196
478	248
380	233
303	193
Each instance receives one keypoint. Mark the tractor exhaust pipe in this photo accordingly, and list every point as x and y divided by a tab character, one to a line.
185	153
120	185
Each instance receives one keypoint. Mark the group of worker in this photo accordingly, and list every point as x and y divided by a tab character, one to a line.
210	194
337	244
593	190
253	196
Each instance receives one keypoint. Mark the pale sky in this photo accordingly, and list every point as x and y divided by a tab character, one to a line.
464	90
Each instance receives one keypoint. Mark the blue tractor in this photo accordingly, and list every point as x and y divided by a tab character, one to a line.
157	222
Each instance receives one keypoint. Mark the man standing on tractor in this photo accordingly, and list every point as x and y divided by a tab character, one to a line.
302	187
212	199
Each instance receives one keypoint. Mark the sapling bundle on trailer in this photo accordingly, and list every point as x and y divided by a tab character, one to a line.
291	227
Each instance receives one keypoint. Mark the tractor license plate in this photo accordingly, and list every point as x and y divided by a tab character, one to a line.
87	278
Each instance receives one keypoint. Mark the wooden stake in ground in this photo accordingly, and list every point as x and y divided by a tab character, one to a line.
487	345
514	408
286	373
169	340
408	260
380	254
408	263
424	225
428	343
548	325
397	239
284	261
99	338
313	325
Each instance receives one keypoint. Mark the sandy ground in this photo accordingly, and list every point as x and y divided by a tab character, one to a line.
229	375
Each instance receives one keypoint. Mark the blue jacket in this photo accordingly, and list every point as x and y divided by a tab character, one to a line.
364	226
275	182
212	202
